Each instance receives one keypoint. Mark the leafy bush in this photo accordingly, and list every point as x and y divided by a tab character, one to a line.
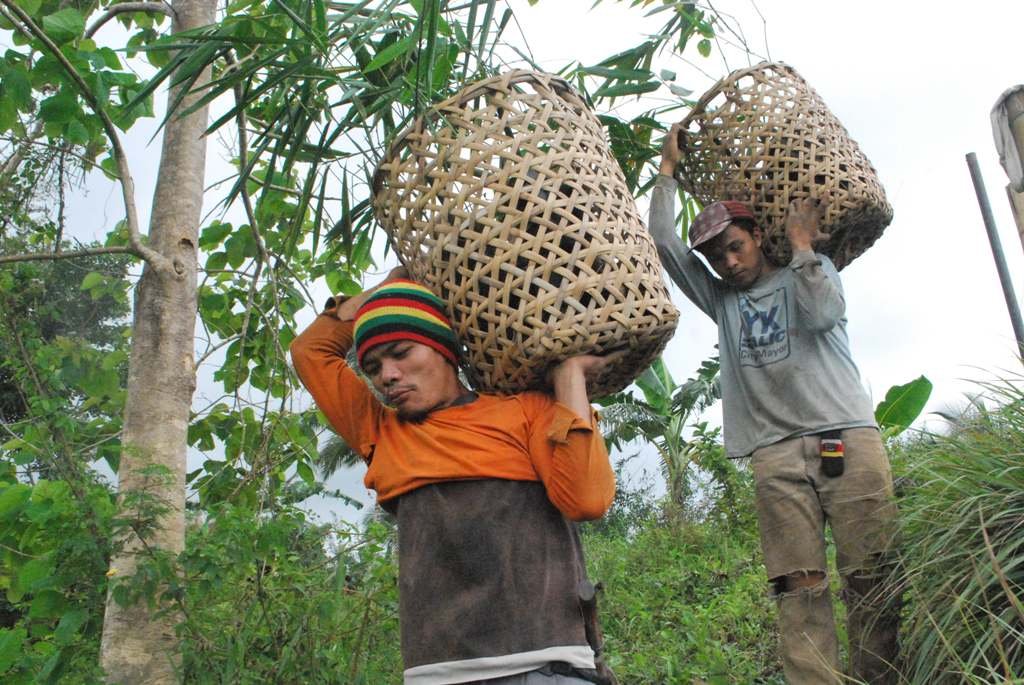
266	602
53	557
685	601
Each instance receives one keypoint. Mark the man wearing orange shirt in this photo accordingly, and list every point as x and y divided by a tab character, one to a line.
485	489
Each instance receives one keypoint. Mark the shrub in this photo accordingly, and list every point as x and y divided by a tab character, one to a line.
963	547
267	602
685	601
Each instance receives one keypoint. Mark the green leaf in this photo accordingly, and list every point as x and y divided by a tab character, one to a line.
8	115
47	604
109	167
617	73
902	405
62	108
64	25
15	85
13	498
11	642
627	89
217	261
77	133
69	625
110	58
305	473
704	47
30	6
239	246
214	234
34	571
389	54
654	390
92	280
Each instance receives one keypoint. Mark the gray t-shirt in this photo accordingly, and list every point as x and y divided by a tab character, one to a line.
786	364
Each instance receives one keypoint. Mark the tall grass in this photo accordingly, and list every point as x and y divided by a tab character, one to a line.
963	547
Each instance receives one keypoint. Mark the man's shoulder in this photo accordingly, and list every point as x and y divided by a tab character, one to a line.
529	402
534	398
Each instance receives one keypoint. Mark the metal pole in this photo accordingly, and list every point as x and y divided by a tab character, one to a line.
997	251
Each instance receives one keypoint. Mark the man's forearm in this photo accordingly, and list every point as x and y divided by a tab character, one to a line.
819	300
570	385
683	267
318	355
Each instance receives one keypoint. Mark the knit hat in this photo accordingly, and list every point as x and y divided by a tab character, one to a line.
404	310
715	218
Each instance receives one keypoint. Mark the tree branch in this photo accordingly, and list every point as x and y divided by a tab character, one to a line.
123	7
12	163
21	147
261	247
29	27
87	252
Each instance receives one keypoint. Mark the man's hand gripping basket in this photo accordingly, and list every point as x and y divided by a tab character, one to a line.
763	136
506	201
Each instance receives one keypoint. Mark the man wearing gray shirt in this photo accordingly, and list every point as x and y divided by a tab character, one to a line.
793	401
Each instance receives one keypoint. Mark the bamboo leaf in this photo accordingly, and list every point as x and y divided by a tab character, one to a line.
617	73
390	54
627	89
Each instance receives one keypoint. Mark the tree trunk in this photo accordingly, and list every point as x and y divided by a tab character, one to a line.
137	645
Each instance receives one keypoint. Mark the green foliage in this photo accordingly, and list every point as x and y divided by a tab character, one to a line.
686	601
35	86
53	556
64	361
963	552
268	603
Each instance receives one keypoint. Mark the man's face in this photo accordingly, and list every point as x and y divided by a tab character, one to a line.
735	255
414	378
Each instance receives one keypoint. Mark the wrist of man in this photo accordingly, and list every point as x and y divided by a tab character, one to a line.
338	307
801	245
802	258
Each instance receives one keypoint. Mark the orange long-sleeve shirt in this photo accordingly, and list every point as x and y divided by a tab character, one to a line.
523	437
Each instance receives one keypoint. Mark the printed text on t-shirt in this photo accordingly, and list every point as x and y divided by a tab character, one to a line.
764	337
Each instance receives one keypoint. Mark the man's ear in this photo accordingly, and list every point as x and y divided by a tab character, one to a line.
757	234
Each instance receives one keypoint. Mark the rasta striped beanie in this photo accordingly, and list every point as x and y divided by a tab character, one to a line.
404	310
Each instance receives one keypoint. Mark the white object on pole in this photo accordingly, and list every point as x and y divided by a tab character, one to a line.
1008	131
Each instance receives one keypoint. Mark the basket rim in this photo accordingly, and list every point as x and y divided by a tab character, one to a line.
700	108
470	91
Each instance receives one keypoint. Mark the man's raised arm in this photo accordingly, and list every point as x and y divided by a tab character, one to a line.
318	354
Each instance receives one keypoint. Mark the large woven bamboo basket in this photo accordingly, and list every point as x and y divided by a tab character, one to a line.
506	201
762	135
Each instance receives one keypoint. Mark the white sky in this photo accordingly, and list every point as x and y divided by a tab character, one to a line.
913	82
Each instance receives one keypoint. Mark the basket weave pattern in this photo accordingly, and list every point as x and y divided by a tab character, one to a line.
762	135
506	201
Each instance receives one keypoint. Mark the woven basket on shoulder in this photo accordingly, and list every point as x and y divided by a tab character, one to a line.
763	136
506	201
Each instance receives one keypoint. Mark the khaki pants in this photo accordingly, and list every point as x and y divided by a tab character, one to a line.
794	501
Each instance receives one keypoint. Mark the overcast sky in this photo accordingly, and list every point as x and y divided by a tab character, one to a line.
913	82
